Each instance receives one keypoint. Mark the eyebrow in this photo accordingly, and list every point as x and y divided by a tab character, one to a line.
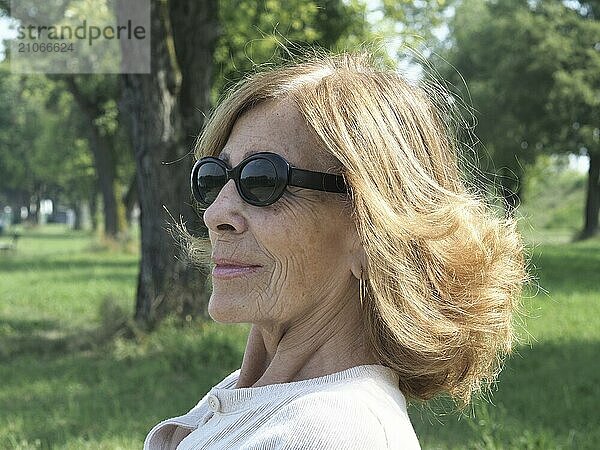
225	156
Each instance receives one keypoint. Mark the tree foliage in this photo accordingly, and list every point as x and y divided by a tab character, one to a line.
252	31
42	153
532	69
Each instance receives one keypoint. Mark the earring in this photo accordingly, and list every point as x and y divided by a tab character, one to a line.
361	288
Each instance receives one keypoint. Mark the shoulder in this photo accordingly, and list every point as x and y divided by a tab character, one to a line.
339	419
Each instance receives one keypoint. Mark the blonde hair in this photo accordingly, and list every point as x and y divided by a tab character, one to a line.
444	274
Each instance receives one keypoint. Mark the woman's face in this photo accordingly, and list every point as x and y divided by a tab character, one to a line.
305	242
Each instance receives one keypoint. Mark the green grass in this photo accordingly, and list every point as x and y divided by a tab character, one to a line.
60	279
68	383
553	210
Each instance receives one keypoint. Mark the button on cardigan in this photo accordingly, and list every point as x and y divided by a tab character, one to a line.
357	408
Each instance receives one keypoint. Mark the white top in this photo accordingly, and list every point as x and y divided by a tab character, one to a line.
357	408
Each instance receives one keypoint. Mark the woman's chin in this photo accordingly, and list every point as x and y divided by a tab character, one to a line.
224	309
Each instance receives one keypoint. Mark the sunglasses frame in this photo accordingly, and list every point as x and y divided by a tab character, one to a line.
287	175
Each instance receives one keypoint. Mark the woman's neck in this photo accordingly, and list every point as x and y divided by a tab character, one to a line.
276	357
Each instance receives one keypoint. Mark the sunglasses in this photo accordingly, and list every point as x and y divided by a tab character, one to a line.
260	179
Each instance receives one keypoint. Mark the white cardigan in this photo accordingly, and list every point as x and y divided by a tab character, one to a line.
357	408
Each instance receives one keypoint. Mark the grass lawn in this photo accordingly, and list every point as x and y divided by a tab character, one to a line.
65	386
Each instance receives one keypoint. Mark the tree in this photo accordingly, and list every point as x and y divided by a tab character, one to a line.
94	95
165	113
533	73
573	104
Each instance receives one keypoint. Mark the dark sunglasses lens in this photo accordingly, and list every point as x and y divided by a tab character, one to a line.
258	180
210	179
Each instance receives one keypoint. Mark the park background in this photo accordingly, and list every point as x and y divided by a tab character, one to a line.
96	345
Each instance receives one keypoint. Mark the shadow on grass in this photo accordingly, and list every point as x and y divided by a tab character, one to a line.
55	234
28	336
21	326
113	276
47	338
60	262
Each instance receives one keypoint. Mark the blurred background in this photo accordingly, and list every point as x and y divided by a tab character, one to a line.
103	327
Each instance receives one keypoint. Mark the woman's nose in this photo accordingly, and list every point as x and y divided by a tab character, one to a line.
225	210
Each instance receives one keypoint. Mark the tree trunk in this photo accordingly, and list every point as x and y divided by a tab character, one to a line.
103	159
34	216
16	212
592	203
94	208
194	27
17	200
152	104
106	177
129	199
77	206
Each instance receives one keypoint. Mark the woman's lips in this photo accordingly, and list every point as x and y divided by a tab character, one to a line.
226	271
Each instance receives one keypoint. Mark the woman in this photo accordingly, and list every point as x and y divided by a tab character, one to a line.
370	271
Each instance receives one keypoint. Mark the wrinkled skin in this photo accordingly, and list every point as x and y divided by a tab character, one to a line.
303	303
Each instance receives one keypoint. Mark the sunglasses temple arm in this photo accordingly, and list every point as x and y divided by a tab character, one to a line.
327	182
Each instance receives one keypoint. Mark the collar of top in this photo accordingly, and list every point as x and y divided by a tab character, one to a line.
227	399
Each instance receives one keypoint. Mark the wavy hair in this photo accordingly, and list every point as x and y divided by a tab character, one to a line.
444	273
